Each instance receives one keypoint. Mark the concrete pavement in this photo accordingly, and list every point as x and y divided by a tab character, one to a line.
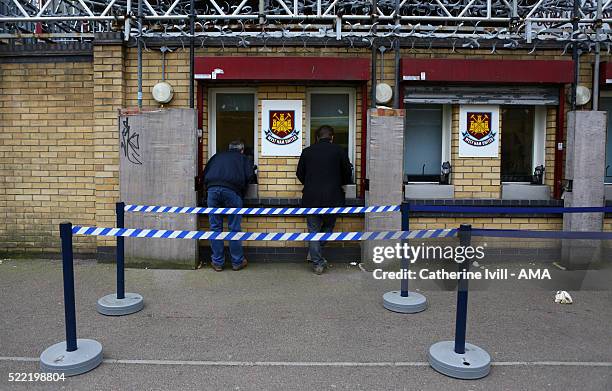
279	327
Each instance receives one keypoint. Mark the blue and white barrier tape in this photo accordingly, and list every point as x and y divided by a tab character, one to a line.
264	236
262	211
364	209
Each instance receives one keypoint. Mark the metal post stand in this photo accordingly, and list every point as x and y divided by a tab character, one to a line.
73	356
403	300
120	303
457	358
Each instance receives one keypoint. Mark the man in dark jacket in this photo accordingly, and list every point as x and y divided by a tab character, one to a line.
323	169
227	176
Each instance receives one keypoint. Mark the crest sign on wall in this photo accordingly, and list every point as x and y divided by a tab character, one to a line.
479	131
281	127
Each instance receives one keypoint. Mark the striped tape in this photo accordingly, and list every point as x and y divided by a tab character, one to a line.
262	211
264	236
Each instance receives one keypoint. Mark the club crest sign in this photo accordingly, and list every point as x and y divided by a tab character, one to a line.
281	128
478	131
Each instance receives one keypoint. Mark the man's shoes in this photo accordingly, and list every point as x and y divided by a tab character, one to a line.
242	265
318	269
217	268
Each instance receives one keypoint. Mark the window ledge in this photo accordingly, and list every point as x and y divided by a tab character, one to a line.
524	191
608	191
431	191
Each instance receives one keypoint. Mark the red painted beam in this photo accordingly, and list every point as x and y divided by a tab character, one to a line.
487	71
282	68
605	73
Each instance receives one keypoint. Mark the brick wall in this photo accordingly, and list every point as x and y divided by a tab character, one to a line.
474	177
108	98
59	141
47	165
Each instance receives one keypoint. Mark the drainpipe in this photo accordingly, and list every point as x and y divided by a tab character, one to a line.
396	92
374	50
575	55
373	92
139	54
597	58
191	52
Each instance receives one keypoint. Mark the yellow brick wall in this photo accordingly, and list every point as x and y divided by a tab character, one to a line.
277	174
108	98
59	140
474	177
177	74
47	165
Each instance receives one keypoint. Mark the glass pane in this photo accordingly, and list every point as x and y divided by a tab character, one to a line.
235	119
517	124
332	110
423	142
606	104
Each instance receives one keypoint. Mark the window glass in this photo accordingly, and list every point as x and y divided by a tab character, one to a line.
517	130
235	119
606	104
423	143
332	110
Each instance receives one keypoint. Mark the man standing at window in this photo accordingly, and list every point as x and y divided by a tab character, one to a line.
227	176
323	169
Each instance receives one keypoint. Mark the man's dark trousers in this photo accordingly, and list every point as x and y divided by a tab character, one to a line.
223	197
319	223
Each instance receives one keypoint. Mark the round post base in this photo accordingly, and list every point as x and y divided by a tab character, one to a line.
111	306
56	359
413	303
475	363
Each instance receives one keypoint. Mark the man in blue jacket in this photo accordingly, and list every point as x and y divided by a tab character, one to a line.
227	176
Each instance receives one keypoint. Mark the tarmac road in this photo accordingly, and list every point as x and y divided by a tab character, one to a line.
279	327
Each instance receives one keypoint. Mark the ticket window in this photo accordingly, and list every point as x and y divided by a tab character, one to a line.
523	138
334	107
232	116
426	141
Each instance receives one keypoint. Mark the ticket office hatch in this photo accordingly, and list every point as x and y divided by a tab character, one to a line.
232	115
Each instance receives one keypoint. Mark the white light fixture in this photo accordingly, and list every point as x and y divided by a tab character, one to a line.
583	95
384	93
162	92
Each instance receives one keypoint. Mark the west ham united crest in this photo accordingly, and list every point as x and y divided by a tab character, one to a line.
282	127
479	132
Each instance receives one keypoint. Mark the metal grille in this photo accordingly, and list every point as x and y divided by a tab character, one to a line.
471	21
506	95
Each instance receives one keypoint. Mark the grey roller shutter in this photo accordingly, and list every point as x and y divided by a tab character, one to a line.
498	95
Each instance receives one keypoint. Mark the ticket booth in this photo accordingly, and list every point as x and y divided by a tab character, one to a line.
232	91
442	96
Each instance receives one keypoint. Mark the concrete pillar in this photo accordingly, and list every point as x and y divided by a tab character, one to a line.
158	158
385	153
584	173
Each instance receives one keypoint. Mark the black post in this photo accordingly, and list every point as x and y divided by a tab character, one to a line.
68	273
465	238
405	263
119	210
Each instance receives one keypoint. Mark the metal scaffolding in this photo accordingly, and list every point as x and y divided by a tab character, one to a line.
473	21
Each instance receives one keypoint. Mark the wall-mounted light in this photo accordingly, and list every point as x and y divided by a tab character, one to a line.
162	92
